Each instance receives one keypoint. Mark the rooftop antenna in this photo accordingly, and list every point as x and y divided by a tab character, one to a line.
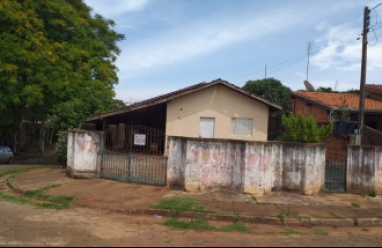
307	65
336	86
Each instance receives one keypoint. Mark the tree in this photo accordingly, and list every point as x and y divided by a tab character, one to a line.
54	54
304	129
324	89
273	90
342	112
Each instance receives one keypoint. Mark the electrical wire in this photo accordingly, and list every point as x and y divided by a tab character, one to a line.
376	6
293	60
376	39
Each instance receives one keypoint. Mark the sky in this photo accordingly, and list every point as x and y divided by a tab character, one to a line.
173	44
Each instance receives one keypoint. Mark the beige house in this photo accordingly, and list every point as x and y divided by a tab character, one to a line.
216	109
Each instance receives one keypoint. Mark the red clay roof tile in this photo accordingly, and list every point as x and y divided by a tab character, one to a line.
332	99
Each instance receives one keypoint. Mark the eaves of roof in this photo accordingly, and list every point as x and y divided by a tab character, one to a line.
179	93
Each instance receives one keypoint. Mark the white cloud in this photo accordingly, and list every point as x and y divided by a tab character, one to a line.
202	37
340	48
113	8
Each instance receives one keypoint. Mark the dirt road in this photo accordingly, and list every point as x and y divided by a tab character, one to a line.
26	226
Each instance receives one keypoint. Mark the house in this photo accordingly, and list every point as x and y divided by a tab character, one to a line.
323	105
216	109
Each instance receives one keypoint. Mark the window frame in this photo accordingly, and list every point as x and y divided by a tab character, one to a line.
233	129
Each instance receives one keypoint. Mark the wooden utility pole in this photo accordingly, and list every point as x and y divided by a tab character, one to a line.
361	113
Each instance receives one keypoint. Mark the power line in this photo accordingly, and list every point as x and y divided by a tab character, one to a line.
293	60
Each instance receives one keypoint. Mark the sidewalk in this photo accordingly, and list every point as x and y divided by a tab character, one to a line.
277	208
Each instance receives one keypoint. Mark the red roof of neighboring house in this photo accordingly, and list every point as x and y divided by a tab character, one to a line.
374	86
335	100
179	93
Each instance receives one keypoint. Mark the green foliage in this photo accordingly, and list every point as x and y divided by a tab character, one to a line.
273	90
202	224
199	224
61	147
342	112
57	63
235	227
304	129
324	89
356	205
39	194
181	204
320	232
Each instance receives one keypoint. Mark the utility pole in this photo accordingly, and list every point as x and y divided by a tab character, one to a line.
361	113
307	65
265	71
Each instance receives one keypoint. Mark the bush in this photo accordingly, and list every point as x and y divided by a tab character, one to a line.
61	147
304	129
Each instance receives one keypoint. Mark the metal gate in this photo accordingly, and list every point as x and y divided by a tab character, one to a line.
335	164
134	154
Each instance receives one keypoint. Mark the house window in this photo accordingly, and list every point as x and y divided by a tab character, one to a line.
206	127
241	127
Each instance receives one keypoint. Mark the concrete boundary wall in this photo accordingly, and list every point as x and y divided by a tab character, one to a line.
84	153
364	170
245	167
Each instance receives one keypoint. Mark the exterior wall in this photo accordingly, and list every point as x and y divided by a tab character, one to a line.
246	167
222	103
319	114
364	170
84	153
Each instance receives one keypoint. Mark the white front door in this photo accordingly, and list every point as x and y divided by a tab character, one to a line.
206	127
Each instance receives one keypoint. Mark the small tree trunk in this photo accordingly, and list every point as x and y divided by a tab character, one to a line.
51	136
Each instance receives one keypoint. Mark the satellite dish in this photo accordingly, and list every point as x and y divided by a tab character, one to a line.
308	86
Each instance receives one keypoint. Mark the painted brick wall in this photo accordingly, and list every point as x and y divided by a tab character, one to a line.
364	170
245	167
319	113
84	153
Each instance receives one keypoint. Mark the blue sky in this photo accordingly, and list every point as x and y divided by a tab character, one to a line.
172	44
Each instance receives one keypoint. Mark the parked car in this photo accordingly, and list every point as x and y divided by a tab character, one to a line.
6	154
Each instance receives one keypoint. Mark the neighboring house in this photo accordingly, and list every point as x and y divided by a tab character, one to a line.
374	91
322	106
206	110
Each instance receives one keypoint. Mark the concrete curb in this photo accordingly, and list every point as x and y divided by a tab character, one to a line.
369	222
232	218
332	222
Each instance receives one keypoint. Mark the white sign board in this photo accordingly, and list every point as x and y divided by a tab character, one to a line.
139	139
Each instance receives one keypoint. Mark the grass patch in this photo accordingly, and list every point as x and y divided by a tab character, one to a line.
39	194
356	205
181	204
335	216
379	216
16	171
372	193
365	229
199	224
254	198
24	200
320	232
234	227
291	232
263	203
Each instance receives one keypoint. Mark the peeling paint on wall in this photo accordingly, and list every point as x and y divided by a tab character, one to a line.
84	153
364	170
247	167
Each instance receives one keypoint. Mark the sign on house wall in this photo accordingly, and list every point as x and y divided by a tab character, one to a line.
139	139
